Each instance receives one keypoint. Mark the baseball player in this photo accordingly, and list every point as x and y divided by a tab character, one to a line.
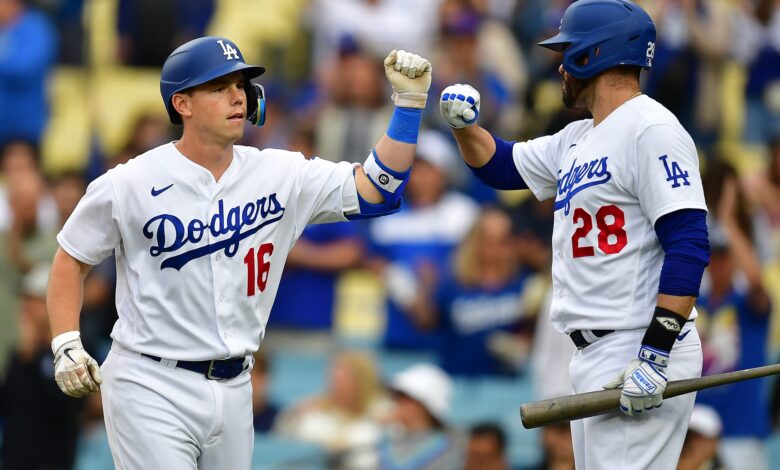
630	237
201	228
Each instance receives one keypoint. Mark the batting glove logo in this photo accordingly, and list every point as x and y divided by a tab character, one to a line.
669	323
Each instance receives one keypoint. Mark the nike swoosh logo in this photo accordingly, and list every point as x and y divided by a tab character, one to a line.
157	192
572	145
67	353
682	336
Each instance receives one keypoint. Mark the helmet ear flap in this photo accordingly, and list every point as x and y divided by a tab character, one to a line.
255	103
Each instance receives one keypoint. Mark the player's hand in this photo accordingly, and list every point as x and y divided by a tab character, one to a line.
643	385
410	76
75	371
459	105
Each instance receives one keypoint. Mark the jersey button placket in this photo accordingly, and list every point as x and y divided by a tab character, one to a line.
214	258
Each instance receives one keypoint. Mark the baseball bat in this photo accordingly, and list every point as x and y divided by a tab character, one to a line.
585	405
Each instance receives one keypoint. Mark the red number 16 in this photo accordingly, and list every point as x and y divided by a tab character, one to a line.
263	268
612	229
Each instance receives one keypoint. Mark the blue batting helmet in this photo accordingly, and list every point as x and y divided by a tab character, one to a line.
623	33
204	59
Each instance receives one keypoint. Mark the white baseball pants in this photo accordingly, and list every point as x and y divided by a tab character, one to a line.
650	441
160	418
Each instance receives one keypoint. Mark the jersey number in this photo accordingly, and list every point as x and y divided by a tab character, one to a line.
612	237
257	264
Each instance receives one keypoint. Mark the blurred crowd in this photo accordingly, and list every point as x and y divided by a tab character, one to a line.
416	315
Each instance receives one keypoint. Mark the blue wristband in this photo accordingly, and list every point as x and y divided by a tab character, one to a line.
405	125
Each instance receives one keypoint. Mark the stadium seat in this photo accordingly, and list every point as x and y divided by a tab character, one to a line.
273	452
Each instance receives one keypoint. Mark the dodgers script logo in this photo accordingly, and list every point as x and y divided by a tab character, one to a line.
267	209
580	177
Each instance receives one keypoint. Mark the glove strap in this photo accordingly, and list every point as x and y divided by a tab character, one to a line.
654	356
410	99
63	338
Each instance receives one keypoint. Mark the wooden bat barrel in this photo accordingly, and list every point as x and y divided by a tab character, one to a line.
585	405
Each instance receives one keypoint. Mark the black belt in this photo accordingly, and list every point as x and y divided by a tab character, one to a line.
583	338
213	370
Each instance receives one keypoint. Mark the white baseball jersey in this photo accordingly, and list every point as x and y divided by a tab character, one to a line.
199	260
611	183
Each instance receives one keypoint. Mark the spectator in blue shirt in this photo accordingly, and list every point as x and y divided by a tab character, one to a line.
27	51
479	303
304	309
411	248
307	292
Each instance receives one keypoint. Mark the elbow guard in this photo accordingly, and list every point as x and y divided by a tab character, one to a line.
388	182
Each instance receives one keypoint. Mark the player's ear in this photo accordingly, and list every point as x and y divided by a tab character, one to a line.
182	104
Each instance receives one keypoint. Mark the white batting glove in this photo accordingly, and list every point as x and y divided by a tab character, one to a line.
410	76
643	385
459	105
75	371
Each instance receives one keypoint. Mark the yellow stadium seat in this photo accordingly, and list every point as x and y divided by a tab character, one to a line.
360	305
122	94
254	24
65	143
106	102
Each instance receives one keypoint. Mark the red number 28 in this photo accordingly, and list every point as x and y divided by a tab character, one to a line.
612	237
257	263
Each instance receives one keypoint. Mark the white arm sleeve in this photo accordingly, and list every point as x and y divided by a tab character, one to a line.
92	232
537	162
667	175
327	192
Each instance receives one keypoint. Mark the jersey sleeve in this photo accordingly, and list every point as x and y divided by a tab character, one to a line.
327	192
537	162
92	231
667	174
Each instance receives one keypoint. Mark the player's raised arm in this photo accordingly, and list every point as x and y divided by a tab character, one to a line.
381	179
489	157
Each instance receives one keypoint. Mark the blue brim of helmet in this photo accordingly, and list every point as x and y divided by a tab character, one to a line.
254	71
249	71
557	43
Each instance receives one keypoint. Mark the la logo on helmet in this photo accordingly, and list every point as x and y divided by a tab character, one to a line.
228	50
